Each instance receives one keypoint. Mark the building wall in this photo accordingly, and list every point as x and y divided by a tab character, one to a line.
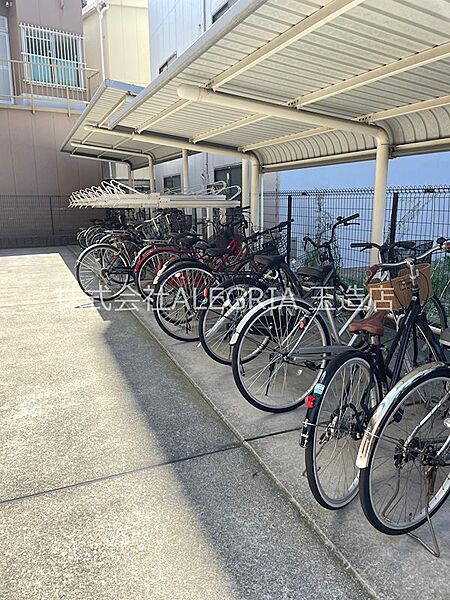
31	163
33	171
125	41
174	26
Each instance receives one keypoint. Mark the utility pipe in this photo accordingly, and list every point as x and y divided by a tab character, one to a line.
198	94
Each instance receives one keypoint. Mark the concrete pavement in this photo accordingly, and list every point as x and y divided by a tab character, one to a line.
118	479
393	567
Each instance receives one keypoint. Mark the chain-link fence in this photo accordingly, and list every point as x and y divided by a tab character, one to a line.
41	221
412	213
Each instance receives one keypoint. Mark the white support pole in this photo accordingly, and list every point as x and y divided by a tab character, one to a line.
185	179
151	181
151	174
255	215
379	199
185	171
245	184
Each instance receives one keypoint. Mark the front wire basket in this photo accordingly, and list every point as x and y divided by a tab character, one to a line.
395	293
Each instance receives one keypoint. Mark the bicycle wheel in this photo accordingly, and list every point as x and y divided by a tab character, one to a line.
436	316
102	272
148	268
405	459
267	364
217	322
178	297
342	403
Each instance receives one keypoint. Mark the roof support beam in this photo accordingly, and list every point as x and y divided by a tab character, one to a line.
105	149
229	127
407	109
399	66
174	142
324	15
170	110
378	116
286	138
197	94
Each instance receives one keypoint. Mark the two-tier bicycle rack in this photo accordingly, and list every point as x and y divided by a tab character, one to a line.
115	194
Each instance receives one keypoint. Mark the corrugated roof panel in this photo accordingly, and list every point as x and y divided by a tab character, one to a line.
360	41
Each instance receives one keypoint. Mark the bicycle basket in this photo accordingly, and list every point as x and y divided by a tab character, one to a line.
272	242
395	293
399	254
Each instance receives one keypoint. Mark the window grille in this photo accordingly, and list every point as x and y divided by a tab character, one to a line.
52	57
222	10
172	183
166	64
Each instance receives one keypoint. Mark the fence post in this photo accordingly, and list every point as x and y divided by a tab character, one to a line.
289	229
51	217
393	223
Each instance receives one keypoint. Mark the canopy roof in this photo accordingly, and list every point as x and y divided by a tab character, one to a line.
377	62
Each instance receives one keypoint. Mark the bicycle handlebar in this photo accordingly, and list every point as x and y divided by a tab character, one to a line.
339	221
441	244
346	220
383	247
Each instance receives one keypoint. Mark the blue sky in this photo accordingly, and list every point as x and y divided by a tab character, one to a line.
427	169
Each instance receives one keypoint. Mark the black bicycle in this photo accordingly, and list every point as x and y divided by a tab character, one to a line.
354	383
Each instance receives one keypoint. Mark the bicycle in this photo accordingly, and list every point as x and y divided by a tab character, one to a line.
227	305
281	346
404	456
354	383
181	290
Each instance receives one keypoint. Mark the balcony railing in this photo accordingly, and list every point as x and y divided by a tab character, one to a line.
35	84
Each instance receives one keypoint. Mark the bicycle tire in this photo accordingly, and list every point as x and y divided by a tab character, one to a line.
338	428
260	324
82	262
396	398
168	318
204	327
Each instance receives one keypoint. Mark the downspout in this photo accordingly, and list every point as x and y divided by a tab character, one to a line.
102	6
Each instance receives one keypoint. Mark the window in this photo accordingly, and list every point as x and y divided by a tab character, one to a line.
52	57
172	183
168	62
222	10
232	176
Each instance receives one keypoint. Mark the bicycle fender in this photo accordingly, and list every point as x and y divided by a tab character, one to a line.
373	429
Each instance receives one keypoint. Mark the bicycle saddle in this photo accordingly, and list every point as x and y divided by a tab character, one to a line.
188	241
215	252
318	273
373	324
269	260
202	245
184	235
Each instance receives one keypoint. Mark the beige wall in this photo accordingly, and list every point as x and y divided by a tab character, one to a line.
125	39
30	160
